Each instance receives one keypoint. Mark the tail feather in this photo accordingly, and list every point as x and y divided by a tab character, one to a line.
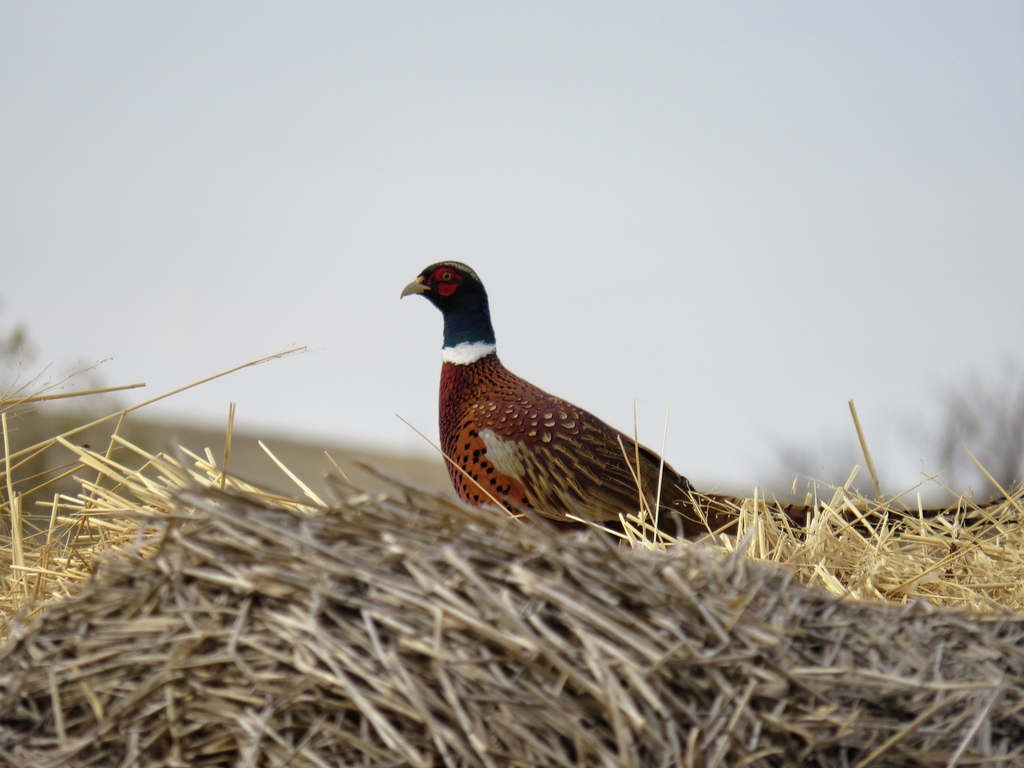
703	514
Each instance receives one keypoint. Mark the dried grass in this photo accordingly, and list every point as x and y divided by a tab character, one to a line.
45	562
175	615
971	557
414	632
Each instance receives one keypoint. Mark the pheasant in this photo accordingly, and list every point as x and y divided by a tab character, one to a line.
511	443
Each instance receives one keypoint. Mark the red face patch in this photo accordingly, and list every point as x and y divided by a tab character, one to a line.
446	280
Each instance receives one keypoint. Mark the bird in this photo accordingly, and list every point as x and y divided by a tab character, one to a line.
511	444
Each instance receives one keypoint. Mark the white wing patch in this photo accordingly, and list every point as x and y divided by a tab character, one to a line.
504	454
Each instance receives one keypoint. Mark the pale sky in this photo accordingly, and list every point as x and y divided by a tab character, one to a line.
747	212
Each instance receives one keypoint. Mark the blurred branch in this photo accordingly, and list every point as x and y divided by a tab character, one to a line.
988	418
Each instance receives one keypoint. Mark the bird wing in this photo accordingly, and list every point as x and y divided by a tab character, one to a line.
528	448
575	464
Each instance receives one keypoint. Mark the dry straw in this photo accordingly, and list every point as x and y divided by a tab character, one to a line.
38	564
184	617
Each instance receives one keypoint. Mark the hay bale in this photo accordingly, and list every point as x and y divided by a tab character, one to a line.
414	632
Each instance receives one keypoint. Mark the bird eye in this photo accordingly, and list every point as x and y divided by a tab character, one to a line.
446	276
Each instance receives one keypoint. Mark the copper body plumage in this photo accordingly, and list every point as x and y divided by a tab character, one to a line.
515	445
524	448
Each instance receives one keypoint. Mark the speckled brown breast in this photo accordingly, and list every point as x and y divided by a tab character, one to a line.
486	395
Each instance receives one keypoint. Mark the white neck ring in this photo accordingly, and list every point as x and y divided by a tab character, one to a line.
467	352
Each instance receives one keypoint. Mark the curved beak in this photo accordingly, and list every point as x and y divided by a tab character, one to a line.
416	286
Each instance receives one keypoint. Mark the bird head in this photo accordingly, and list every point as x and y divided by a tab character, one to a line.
456	290
447	285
